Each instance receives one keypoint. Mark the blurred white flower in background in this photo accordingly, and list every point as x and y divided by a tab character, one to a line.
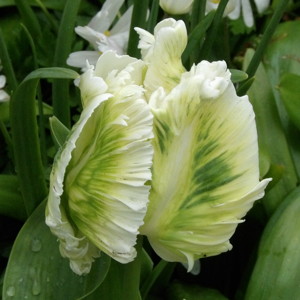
101	36
176	7
236	8
4	97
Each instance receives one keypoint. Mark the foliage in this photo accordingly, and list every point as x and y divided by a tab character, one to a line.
36	38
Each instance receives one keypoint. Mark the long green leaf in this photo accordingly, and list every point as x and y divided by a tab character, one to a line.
25	136
29	18
11	202
122	281
277	271
271	137
289	89
36	269
138	19
60	89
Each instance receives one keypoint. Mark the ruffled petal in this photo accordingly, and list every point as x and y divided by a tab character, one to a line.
163	53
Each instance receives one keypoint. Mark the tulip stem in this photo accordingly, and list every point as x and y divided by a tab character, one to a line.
153	277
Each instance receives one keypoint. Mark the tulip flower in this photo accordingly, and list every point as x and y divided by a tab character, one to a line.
98	193
205	173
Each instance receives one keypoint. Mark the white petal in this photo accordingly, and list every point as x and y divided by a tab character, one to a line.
89	34
262	5
236	12
79	59
117	42
2	81
176	7
4	97
247	13
105	17
123	24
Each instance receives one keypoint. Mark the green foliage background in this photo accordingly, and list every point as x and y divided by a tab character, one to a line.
36	37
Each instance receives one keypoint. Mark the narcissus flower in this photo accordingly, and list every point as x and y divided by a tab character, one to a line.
101	36
176	7
235	8
205	174
98	196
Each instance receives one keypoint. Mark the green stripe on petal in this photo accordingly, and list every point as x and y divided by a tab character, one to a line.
73	244
105	183
205	168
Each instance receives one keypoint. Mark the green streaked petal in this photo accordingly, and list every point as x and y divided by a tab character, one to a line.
105	184
163	53
205	169
72	243
98	195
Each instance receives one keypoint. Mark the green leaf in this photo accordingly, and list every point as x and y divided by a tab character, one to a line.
282	56
60	89
289	89
271	138
59	131
138	19
36	269
25	136
11	202
179	291
29	18
276	274
196	37
122	281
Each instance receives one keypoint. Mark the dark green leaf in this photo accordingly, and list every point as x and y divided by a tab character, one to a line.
36	269
25	136
179	291
11	201
289	89
59	131
271	138
277	271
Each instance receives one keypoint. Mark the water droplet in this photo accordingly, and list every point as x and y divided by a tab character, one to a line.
11	291
36	245
36	288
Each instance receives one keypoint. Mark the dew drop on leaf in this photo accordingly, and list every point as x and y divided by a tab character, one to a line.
10	292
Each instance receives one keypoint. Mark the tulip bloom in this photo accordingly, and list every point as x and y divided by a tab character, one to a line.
98	196
205	173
